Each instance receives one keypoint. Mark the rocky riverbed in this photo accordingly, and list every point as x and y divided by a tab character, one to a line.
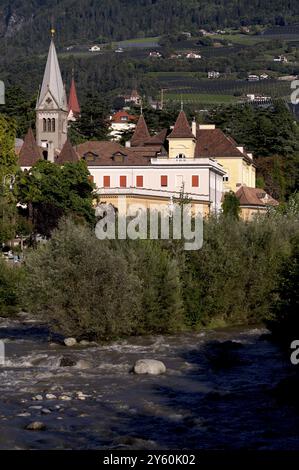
224	389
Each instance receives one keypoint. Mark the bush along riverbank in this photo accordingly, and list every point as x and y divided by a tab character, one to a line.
100	290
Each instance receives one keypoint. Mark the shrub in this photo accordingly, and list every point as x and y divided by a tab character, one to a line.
161	307
10	277
231	280
284	319
81	286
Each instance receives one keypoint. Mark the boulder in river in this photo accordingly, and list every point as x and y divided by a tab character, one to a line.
38	398
149	366
70	342
36	426
50	396
82	364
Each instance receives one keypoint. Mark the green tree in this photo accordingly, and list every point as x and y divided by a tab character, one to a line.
92	124
8	161
20	107
8	168
285	309
161	297
50	191
231	205
81	286
10	279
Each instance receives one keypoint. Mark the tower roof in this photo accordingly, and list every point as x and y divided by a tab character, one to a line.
141	133
52	80
30	152
157	139
181	128
73	99
67	154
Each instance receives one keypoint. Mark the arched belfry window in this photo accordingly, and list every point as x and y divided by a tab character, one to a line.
44	125
49	125
53	125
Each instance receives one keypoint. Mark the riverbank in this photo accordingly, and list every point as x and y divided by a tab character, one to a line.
219	391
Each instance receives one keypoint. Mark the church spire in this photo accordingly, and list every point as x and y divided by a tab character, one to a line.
51	108
52	81
74	106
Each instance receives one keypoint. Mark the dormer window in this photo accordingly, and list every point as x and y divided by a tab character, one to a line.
90	157
118	157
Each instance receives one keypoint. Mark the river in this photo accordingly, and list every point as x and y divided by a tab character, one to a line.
219	392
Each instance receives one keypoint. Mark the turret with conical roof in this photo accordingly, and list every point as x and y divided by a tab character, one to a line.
30	152
52	108
67	154
141	133
181	140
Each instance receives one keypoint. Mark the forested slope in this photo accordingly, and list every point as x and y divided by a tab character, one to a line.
26	22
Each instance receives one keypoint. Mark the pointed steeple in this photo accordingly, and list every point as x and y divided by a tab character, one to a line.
67	154
52	81
30	152
181	128
74	106
141	133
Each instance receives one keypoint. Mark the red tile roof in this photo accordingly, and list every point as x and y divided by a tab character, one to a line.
118	117
157	139
141	133
67	154
181	128
103	153
30	152
213	143
73	99
255	197
146	150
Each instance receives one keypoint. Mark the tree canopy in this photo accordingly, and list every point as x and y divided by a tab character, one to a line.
50	191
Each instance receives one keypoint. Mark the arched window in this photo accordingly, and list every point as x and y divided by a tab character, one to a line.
49	125
53	125
44	125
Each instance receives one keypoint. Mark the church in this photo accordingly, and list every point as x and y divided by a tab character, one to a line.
196	161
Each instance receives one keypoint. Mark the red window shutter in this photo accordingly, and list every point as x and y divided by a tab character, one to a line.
123	181
106	181
91	178
139	181
164	180
195	181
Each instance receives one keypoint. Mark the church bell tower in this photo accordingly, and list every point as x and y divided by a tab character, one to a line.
51	108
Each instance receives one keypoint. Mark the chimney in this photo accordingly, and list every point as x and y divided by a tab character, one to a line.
206	127
194	127
128	144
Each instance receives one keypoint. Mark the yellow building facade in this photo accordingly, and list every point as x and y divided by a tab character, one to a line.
237	163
